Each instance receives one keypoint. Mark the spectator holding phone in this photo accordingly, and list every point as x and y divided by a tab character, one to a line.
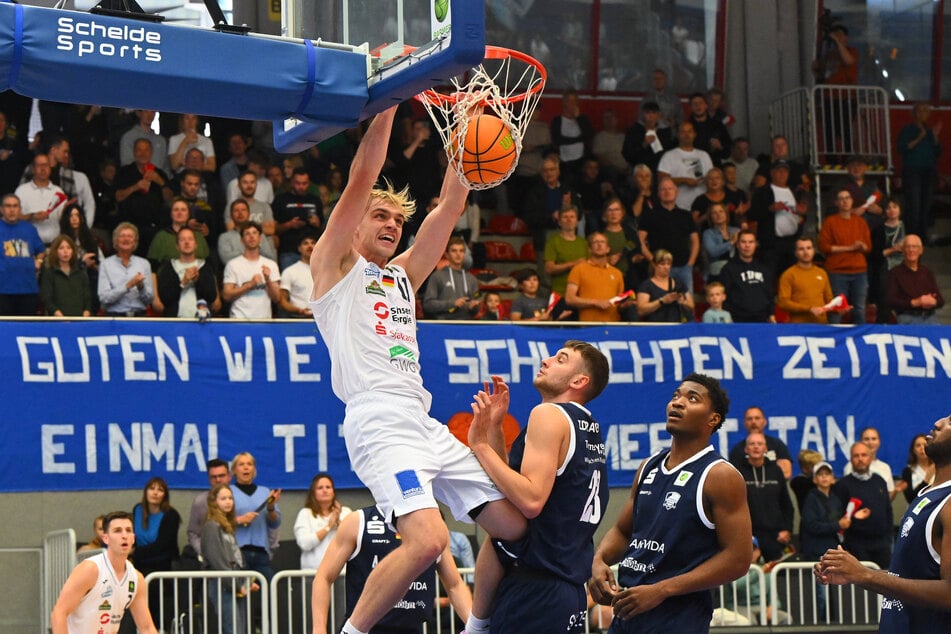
662	298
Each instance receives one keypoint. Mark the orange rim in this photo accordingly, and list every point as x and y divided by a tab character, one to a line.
499	52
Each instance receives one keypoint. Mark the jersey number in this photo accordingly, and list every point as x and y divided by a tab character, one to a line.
403	286
592	506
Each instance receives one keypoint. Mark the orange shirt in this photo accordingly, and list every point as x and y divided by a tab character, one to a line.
841	231
597	282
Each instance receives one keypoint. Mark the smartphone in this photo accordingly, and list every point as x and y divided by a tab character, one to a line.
265	503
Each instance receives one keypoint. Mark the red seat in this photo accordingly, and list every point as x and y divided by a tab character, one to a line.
507	225
500	251
527	252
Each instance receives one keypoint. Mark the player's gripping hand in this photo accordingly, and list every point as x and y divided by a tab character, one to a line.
602	584
633	601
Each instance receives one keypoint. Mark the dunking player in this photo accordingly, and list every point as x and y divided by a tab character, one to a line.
685	529
916	589
364	306
556	475
100	589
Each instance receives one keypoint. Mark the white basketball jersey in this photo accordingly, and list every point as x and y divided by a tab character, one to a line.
368	322
101	610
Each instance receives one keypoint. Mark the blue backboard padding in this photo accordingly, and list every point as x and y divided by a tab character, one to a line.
133	64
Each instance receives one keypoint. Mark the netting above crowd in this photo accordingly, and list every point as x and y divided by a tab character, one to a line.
670	220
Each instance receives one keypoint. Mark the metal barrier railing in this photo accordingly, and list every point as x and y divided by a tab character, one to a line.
14	615
742	602
59	559
209	601
793	586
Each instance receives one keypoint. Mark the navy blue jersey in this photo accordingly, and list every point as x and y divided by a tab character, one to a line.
672	535
375	540
915	558
560	539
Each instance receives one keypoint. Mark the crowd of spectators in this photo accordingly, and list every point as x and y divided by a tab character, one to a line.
104	215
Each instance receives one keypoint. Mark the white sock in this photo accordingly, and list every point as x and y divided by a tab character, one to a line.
349	629
476	625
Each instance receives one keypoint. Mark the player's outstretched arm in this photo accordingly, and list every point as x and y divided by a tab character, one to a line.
839	567
80	582
724	495
420	259
140	609
602	585
486	426
458	591
333	254
339	550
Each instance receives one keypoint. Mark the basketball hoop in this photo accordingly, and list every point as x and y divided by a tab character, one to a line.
507	84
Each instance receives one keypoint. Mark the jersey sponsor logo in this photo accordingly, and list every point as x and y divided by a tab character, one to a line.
402	358
107	592
418	585
671	499
906	527
372	270
374	288
650	476
648	544
635	565
409	484
683	478
892	604
381	310
104	618
105	606
401	315
588	425
922	503
376	527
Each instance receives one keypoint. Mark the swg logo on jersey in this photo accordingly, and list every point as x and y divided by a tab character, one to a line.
409	484
402	358
93	38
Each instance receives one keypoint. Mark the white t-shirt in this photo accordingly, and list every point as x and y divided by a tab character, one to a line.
786	220
203	143
102	608
571	151
264	193
305	533
299	283
34	199
680	164
255	304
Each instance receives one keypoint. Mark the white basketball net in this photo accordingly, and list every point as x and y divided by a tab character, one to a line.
507	87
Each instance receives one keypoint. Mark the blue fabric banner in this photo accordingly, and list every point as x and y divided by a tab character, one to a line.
107	404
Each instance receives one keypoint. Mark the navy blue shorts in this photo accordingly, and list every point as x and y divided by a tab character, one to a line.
537	602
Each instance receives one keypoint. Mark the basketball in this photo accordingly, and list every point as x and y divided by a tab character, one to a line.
488	152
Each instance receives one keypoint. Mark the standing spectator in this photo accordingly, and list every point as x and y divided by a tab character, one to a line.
452	292
41	200
258	164
221	552
661	297
125	280
164	245
919	473
671	111
104	189
238	145
771	509
872	440
919	147
204	203
251	282
779	151
869	537
317	522
607	147
671	227
544	198
626	253
89	252
647	140
64	286
594	284
746	166
97	542
571	134
297	282
74	183
686	165
754	420
749	286
10	159
592	189
218	474
845	240
837	65
644	196
716	193
712	135
823	520
564	250
297	214
141	192
20	260
887	240
156	541
536	143
716	314
143	130
183	281
779	218
187	138
803	483
804	287
229	242
261	212
719	241
911	289
866	196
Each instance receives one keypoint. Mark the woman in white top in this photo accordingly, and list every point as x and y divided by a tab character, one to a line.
920	470
317	522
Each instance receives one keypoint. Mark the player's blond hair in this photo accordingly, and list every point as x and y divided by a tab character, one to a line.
389	195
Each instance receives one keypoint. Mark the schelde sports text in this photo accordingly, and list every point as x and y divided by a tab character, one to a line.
93	38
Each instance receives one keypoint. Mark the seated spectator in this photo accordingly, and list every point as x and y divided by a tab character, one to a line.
258	164
187	138
125	279
719	241
452	292
626	253
74	183
671	112
491	308
529	306
238	145
919	473
64	287
607	147
887	239
201	191
715	314
646	141
912	290
661	297
297	282
564	250
592	189
716	193
164	245
297	214
746	166
41	200
229	243
749	287
20	259
544	197
141	192
804	288
730	176
594	285
251	282
261	211
143	130
96	542
181	282
779	218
